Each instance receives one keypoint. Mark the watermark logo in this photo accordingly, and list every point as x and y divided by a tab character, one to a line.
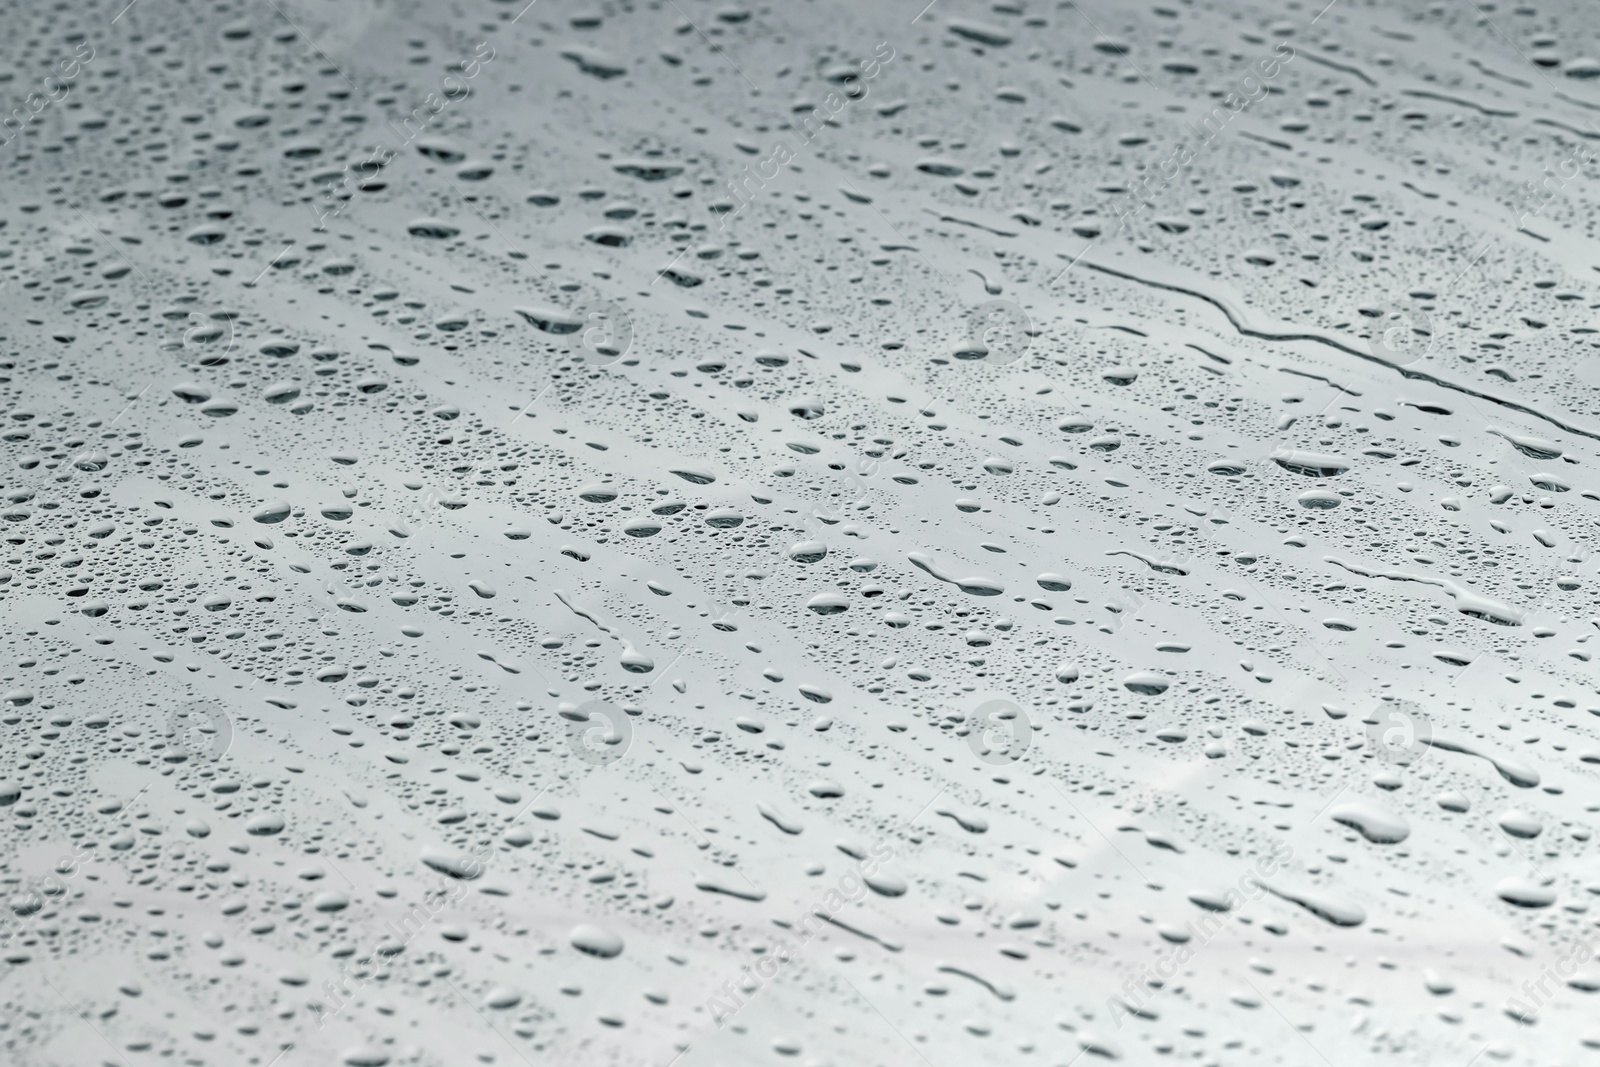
1402	332
999	733
607	332
26	906
205	339
200	730
1398	732
723	616
1001	327
423	505
593	743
